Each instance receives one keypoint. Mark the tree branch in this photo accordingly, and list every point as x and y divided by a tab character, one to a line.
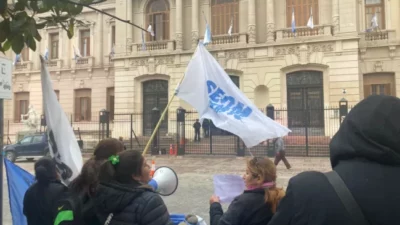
100	11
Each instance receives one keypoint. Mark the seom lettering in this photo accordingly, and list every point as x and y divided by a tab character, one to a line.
222	103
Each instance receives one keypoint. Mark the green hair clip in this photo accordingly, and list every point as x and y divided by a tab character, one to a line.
114	159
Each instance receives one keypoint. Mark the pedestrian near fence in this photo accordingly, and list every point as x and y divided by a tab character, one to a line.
280	154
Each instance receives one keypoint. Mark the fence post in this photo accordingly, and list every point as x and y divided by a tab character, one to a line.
343	109
270	110
104	118
155	116
180	131
131	131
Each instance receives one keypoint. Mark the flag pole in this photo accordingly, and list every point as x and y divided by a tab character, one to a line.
162	118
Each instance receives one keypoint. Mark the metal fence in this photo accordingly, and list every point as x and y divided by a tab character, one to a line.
312	130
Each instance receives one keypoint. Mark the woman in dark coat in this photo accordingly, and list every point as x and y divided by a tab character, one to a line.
40	198
257	204
123	196
84	186
365	153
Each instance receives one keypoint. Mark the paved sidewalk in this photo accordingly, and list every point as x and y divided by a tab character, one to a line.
195	179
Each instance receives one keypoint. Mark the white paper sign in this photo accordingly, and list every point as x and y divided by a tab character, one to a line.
228	187
5	78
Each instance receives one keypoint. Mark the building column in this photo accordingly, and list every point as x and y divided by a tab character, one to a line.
195	23
129	28
178	26
251	27
99	41
335	16
270	21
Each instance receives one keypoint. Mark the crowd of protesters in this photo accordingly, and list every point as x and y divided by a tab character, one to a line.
362	188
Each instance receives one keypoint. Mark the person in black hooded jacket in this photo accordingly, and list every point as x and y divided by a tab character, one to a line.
123	196
39	199
365	153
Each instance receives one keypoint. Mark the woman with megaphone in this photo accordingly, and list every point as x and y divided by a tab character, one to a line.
124	196
258	203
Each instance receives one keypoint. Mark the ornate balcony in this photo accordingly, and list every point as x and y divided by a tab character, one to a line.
54	64
163	46
378	38
83	63
226	39
304	32
23	66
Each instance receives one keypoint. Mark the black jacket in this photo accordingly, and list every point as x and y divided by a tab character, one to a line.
365	152
248	208
130	205
39	202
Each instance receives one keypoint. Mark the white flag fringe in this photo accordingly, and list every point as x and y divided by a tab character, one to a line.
63	145
208	88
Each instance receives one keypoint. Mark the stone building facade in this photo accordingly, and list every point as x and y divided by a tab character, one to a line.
311	68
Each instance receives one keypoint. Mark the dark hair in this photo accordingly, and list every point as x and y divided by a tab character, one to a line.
87	180
45	170
130	163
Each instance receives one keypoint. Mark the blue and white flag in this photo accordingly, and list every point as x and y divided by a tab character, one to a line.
310	22
143	42
293	22
77	53
374	22
46	54
207	34
18	58
230	28
208	88
63	145
18	180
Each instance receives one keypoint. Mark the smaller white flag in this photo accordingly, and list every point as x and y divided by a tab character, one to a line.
112	53
374	21
207	34
18	58
77	53
143	42
293	22
46	54
150	30
310	22
230	28
208	88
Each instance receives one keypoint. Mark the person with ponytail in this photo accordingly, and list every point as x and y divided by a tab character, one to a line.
39	199
124	196
82	189
259	201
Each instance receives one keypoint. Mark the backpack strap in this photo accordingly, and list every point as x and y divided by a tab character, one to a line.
346	198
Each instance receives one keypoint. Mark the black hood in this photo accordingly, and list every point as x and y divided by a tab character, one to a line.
115	197
370	131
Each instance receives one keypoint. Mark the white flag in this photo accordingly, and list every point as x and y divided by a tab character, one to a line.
63	145
230	28
208	88
374	22
310	22
150	30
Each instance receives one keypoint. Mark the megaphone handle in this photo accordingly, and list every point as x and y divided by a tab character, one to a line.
153	184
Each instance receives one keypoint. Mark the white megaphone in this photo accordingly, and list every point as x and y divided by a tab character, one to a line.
165	181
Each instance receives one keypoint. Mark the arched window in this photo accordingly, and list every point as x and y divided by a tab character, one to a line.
158	18
223	14
302	11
